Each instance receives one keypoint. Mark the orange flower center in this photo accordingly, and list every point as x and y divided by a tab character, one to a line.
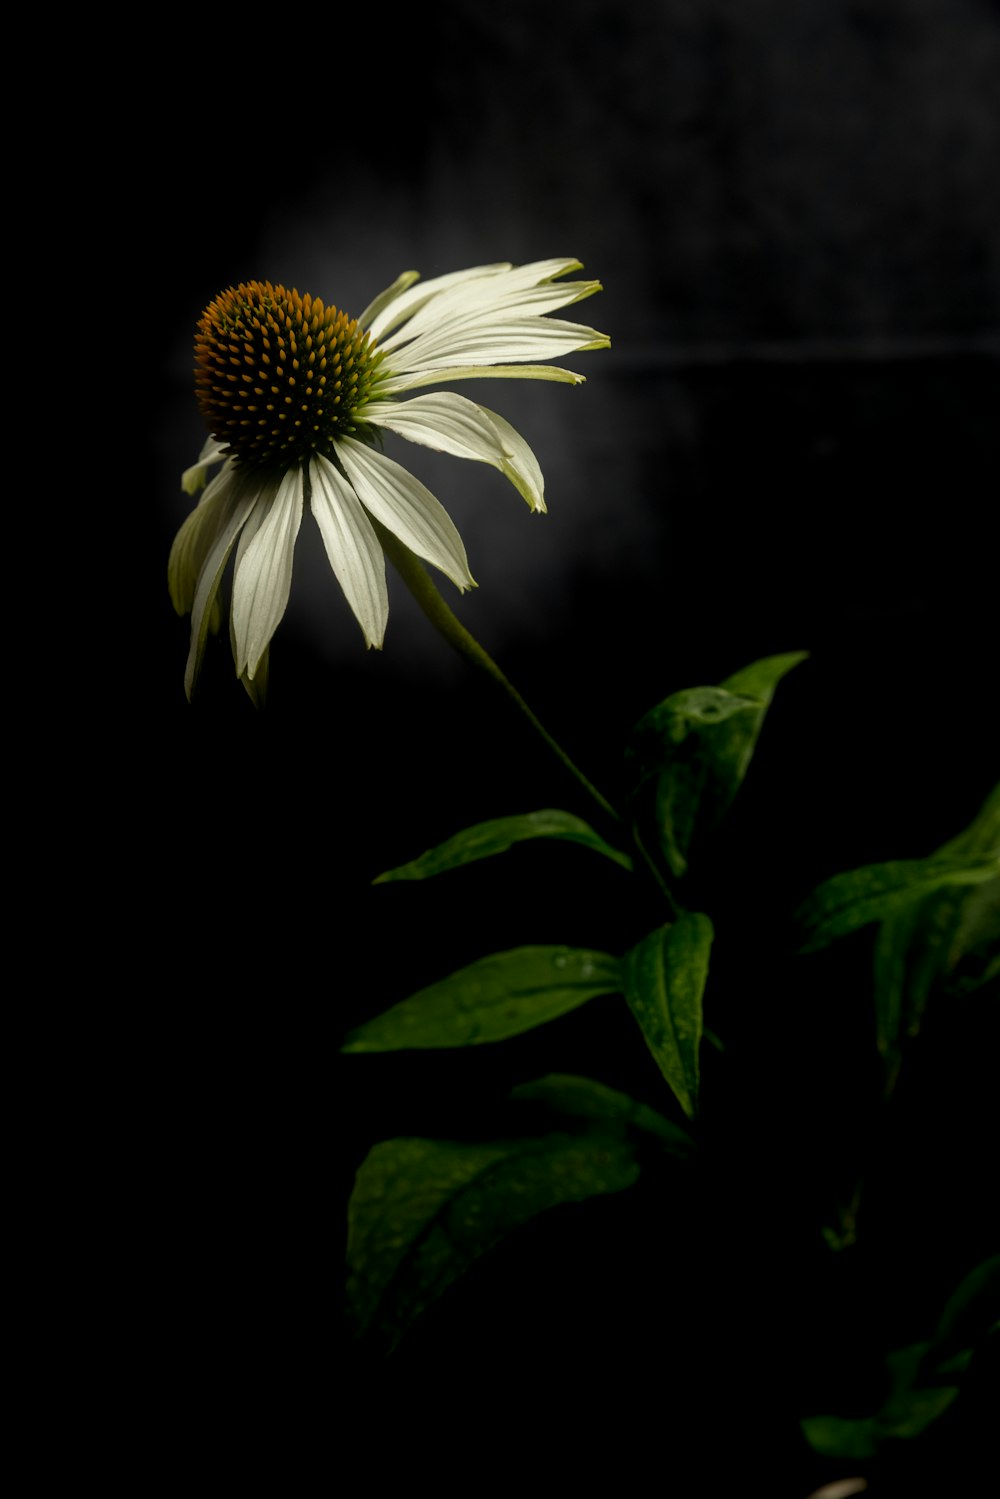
278	376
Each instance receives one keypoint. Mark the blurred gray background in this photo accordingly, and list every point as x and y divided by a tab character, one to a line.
793	207
793	210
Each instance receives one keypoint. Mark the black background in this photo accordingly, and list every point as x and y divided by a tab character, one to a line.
790	446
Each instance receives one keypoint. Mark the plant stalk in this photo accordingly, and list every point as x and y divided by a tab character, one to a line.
423	589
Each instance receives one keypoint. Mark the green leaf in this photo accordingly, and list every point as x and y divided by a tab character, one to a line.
939	925
760	679
492	999
949	940
983	833
921	1377
488	838
691	753
586	1102
665	978
423	1211
894	940
848	901
837	1436
956	941
908	1409
973	957
971	1312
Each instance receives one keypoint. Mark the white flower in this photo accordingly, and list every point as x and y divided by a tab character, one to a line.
296	396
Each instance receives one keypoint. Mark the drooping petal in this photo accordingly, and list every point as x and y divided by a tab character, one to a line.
406	508
453	424
519	464
444	421
263	577
196	537
193	478
256	687
353	549
238	504
267	489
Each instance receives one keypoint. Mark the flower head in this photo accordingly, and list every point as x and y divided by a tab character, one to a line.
296	396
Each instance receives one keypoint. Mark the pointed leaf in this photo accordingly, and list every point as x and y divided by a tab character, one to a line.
423	1210
490	1000
907	1410
689	754
939	925
920	1377
971	1312
983	833
891	973
848	901
949	939
665	978
760	679
592	1103
837	1436
973	954
488	838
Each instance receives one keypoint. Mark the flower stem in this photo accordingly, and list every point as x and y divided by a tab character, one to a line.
420	584
661	883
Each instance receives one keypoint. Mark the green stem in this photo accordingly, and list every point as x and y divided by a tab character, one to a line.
420	584
651	865
847	1232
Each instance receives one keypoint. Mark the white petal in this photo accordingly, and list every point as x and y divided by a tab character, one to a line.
267	489
513	338
444	421
538	299
520	464
193	478
263	576
195	538
535	272
194	543
406	508
453	424
406	304
464	293
539	272
394	385
237	505
379	303
227	469
352	547
257	687
496	298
